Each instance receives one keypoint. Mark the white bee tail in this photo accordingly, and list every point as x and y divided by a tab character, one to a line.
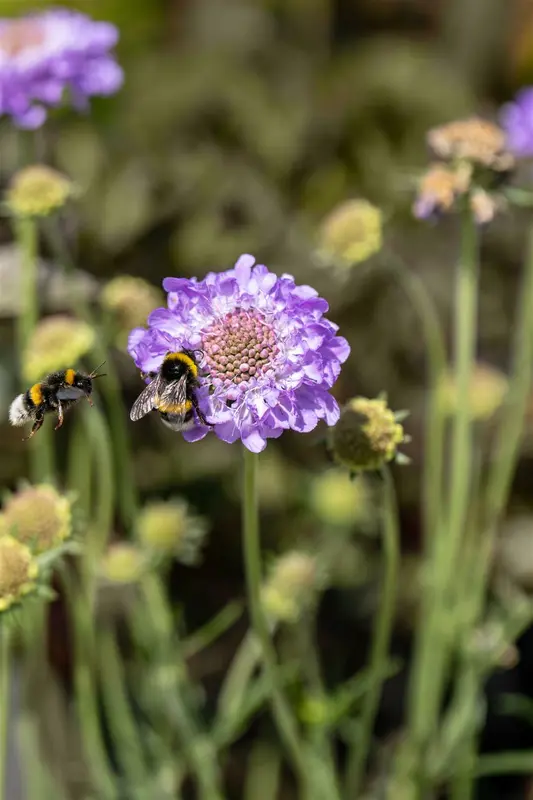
18	413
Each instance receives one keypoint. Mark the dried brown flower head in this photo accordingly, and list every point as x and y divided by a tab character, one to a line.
475	140
439	188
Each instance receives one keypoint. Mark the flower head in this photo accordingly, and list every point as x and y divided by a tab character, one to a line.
487	391
517	121
367	434
474	140
291	587
57	342
269	355
18	571
37	191
123	563
45	55
351	233
39	517
337	500
129	301
168	528
439	188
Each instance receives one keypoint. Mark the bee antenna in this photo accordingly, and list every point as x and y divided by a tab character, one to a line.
95	373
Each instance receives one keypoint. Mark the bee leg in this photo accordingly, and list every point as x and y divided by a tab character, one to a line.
59	416
199	412
88	396
36	425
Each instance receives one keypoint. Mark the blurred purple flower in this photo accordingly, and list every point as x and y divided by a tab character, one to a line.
517	121
270	355
44	54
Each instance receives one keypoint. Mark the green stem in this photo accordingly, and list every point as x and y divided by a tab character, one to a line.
283	716
358	754
26	232
104	503
110	386
433	650
5	667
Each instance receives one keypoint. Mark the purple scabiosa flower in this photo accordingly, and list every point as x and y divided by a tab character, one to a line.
517	122
270	355
44	54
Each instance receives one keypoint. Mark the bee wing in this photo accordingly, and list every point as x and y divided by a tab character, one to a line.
70	393
146	400
173	398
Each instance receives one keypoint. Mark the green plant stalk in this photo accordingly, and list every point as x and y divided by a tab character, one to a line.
429	673
104	496
79	467
110	386
124	732
5	667
26	233
282	713
200	754
358	753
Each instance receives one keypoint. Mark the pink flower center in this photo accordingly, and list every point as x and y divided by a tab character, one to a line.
20	34
239	346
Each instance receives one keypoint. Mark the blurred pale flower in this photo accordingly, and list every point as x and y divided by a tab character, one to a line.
488	388
291	586
170	529
130	301
123	563
338	500
57	342
37	191
39	517
474	140
53	56
439	188
351	233
367	434
18	571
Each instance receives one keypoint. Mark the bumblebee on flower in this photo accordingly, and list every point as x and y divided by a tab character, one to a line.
270	355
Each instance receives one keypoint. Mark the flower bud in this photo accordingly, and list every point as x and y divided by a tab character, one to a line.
39	517
486	393
169	529
351	233
339	501
129	300
367	435
18	571
38	191
291	587
57	342
123	563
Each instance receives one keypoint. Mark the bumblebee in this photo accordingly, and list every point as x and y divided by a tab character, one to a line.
54	394
172	392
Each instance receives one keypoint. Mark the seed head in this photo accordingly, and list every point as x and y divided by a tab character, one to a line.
169	529
487	391
351	233
38	191
123	563
130	301
18	571
291	587
39	517
57	342
475	140
367	435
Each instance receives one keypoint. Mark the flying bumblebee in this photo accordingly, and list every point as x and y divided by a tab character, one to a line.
172	392
54	394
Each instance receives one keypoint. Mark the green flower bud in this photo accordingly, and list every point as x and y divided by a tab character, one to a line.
351	233
37	191
487	391
367	435
39	517
291	587
123	563
170	529
57	342
339	501
129	301
18	571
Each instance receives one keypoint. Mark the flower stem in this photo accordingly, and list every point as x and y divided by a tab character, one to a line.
5	664
282	713
26	233
380	645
